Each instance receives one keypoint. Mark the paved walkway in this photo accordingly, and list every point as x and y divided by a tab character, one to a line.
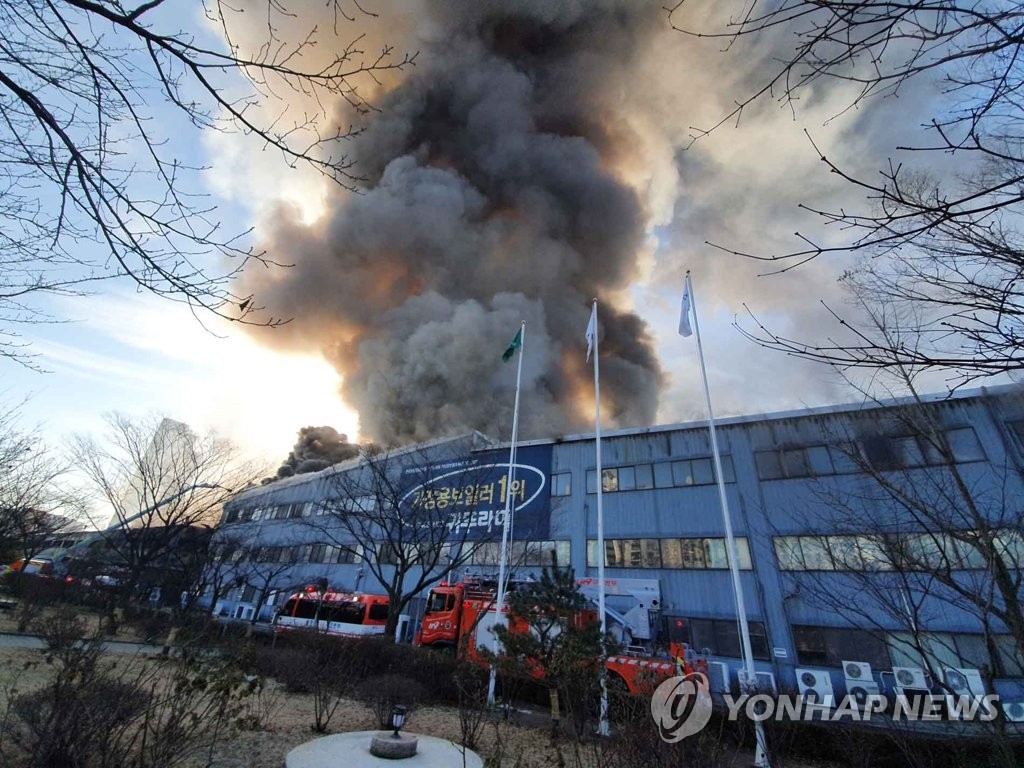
35	642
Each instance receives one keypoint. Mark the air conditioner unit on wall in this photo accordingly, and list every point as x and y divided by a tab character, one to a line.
815	685
909	677
719	677
857	671
1014	711
862	692
764	682
964	682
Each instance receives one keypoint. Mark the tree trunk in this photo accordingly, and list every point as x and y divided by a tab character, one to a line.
555	722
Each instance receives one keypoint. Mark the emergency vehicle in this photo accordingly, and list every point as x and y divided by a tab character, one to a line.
460	616
333	613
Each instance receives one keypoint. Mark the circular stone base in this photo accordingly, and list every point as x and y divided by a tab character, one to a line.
387	745
353	751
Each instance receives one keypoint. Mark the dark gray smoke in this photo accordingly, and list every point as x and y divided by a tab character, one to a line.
317	448
497	193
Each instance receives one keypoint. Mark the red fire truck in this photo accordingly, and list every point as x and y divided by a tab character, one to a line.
465	612
334	613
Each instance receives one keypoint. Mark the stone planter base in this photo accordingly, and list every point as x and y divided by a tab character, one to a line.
387	746
352	750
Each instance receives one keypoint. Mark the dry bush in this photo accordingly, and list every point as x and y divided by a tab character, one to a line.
96	712
471	683
383	692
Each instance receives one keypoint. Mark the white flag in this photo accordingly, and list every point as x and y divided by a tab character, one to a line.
684	312
591	331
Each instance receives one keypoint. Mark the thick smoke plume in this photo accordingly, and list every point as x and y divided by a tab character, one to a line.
317	448
498	190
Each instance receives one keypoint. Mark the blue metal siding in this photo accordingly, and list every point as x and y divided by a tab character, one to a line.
761	509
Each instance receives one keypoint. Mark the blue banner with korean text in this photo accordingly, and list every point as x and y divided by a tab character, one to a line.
470	495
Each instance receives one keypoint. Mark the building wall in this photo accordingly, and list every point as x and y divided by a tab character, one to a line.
762	509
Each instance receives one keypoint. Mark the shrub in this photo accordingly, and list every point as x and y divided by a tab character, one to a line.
382	692
68	723
97	713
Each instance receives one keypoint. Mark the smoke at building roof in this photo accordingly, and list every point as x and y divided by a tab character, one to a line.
317	448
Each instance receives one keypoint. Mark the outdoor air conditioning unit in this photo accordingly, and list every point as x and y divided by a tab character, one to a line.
815	685
857	671
1014	711
718	677
964	682
764	682
862	692
909	677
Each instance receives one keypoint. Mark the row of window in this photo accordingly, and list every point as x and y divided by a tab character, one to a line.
298	510
526	553
536	553
908	551
697	554
668	474
880	452
717	637
830	646
301	553
269	512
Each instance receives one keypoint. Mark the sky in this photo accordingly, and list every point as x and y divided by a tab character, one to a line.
382	308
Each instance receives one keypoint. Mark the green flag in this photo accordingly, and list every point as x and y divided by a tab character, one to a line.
517	342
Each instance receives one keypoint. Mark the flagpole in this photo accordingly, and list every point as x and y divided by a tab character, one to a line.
502	575
761	756
602	728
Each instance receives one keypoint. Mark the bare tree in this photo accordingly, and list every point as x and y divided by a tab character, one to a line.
398	511
924	531
34	503
152	480
90	93
263	570
952	249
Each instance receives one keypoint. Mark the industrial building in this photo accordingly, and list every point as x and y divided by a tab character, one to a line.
857	533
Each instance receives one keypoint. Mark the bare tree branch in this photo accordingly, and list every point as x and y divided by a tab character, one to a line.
91	188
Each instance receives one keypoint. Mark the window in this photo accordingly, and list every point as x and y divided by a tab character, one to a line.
945	649
675	474
561	484
1017	428
793	462
914	551
318	553
529	553
644	477
964	444
902	452
694	554
379	612
719	637
830	646
632	553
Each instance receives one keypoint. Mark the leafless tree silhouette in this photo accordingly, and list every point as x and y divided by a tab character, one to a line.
91	91
945	252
